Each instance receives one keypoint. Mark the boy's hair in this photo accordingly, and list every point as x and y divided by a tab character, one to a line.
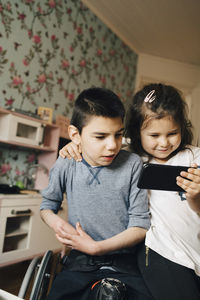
96	102
167	101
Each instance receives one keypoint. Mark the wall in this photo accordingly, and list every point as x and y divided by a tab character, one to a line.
49	51
185	77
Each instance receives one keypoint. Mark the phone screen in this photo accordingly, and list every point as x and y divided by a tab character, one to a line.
160	177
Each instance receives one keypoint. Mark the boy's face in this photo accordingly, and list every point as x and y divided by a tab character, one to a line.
101	140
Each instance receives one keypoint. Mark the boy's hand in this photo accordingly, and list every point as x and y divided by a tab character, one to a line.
191	186
81	242
63	251
61	227
71	150
55	222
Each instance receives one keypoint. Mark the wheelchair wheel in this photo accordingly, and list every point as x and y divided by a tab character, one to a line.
42	279
27	278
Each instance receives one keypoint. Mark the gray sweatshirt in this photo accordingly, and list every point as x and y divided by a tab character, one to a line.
105	200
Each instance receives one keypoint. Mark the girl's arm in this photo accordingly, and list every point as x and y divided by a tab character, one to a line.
191	187
71	150
84	243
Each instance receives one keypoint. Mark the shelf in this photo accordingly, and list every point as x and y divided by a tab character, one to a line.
18	242
24	131
40	148
17	225
16	233
7	111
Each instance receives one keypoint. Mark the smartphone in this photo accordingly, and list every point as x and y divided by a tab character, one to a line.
160	177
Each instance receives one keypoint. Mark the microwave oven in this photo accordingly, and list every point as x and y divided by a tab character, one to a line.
21	130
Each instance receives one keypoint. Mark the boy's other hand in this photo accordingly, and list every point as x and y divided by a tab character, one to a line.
71	150
81	242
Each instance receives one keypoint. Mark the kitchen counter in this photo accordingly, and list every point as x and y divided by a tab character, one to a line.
21	195
19	199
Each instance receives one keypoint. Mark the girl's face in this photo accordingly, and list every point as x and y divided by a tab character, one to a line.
160	137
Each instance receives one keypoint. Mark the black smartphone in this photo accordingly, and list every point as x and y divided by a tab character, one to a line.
160	177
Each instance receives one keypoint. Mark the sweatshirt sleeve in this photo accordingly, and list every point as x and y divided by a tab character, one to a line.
139	215
52	196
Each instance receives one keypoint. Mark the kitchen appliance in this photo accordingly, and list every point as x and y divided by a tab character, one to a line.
21	130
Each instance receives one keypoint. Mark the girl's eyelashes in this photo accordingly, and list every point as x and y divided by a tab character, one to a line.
173	133
169	134
154	135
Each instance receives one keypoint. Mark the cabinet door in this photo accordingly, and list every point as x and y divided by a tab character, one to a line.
23	234
15	232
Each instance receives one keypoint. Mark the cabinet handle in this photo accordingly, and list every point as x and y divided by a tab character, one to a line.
20	212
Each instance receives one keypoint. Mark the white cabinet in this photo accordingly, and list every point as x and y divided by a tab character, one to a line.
22	232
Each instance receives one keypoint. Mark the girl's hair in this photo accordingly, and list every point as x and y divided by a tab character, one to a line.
98	102
167	100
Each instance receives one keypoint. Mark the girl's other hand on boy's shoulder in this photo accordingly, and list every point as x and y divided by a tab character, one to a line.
190	182
71	150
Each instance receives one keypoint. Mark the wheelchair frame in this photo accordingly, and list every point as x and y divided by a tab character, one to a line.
39	271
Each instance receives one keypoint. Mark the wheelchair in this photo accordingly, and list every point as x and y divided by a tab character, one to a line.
40	275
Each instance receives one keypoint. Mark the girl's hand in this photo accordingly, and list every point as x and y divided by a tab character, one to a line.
71	150
191	185
81	242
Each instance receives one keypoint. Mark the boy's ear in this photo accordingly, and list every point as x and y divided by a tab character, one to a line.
74	134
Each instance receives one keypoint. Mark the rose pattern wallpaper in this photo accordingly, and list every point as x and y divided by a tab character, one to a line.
50	50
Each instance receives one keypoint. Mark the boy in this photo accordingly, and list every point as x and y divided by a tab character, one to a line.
107	214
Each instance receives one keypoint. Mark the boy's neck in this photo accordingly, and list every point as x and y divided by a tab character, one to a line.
88	164
92	166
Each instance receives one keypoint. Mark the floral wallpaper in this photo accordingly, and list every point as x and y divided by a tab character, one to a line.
50	50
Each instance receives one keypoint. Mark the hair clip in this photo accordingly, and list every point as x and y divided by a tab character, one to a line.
150	98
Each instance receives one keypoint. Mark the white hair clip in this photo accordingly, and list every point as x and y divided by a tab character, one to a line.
150	98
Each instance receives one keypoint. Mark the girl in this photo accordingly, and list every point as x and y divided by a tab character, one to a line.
160	132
